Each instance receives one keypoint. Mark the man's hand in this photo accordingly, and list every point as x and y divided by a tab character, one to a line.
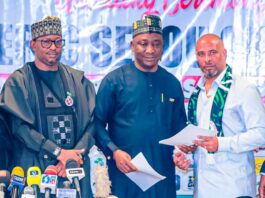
187	149
123	161
209	143
262	186
70	154
61	169
180	161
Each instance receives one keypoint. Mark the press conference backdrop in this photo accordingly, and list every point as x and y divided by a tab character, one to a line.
98	34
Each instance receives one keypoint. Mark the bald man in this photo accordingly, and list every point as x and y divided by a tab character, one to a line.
232	109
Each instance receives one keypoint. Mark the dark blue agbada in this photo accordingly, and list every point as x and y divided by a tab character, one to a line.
140	109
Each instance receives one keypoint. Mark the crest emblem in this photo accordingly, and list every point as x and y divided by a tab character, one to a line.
69	100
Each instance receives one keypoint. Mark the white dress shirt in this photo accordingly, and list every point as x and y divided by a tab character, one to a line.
232	173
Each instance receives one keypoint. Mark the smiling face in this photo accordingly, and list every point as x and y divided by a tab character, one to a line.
147	49
46	58
211	55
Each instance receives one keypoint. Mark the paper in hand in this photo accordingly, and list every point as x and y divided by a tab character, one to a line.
187	135
146	176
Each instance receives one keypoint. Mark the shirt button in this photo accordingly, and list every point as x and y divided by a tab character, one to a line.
151	111
150	85
151	98
45	156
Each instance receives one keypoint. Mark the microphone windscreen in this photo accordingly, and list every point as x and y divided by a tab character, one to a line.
51	170
4	176
67	184
18	171
34	176
28	190
71	164
17	179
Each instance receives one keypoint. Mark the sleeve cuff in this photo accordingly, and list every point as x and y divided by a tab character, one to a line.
223	144
51	149
112	146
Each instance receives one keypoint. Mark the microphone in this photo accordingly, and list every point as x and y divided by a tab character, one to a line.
17	181
2	190
4	176
74	174
66	191
102	182
29	192
67	184
49	181
34	178
4	180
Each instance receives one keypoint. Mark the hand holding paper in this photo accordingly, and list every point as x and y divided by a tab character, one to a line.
187	149
180	161
123	161
146	176
187	136
209	143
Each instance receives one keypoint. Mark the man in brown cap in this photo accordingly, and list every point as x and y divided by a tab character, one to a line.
141	103
50	106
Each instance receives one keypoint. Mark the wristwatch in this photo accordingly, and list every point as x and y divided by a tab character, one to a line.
57	151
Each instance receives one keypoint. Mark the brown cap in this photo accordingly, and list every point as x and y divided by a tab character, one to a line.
49	25
149	24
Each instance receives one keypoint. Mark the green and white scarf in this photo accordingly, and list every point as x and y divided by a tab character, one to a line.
218	103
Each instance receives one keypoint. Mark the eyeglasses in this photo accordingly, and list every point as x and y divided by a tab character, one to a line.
48	43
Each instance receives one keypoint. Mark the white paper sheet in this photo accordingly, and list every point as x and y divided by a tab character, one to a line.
146	176
187	135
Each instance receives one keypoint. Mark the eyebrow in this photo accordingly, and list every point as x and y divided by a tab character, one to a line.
149	40
207	50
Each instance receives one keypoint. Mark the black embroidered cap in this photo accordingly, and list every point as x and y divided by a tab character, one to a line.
47	26
149	24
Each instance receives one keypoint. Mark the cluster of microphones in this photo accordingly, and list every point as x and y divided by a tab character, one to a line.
38	183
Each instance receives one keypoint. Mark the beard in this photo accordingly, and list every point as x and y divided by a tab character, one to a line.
210	74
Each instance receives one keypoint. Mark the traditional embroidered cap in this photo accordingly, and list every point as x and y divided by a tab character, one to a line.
47	26
149	24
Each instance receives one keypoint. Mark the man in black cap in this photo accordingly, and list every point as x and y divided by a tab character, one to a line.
51	107
142	104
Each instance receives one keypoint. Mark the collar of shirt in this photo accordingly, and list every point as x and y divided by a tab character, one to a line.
216	82
205	101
